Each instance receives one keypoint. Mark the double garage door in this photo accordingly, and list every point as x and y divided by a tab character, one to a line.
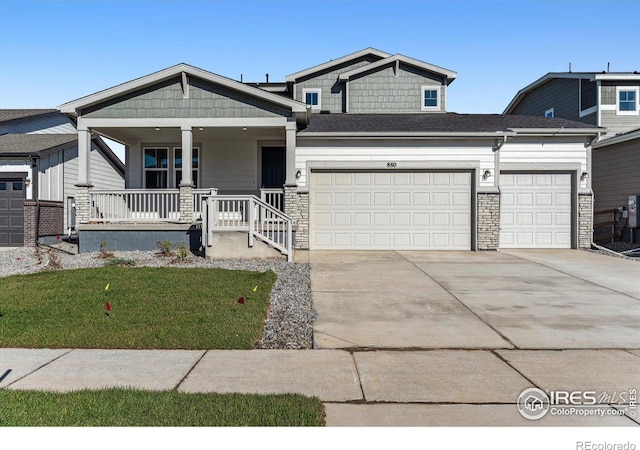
11	212
390	210
365	210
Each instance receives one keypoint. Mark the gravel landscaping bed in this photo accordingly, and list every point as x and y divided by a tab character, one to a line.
289	323
618	248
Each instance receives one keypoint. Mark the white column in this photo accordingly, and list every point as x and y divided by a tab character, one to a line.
187	154
84	157
290	179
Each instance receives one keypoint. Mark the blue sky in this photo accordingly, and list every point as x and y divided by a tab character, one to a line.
52	52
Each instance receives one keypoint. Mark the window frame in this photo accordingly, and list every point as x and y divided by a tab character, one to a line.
318	91
195	180
146	169
636	90
438	92
550	111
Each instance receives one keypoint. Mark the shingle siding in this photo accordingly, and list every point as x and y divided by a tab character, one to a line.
383	90
560	94
332	98
165	100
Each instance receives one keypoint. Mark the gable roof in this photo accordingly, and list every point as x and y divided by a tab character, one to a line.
15	114
335	62
618	138
449	75
445	124
73	107
591	76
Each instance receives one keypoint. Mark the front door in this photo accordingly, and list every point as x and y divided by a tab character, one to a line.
273	167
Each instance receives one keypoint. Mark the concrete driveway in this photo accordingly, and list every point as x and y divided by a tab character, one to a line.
520	299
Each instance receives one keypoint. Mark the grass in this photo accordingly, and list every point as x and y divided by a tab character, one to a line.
131	408
151	308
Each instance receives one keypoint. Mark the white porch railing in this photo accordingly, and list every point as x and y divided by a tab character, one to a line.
273	197
142	205
135	205
247	213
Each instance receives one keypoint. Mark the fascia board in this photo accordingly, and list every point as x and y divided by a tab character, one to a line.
557	131
449	74
618	139
367	51
617	77
406	134
73	106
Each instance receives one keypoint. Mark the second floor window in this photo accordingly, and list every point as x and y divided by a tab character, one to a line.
549	113
627	100
312	97
430	99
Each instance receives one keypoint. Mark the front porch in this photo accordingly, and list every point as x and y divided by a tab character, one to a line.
202	152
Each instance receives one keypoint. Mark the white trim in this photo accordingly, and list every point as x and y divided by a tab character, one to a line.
156	169
635	89
318	91
74	106
588	111
177	122
617	76
449	75
334	62
438	90
175	169
552	111
608	107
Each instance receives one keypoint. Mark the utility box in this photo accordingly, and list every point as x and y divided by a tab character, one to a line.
634	211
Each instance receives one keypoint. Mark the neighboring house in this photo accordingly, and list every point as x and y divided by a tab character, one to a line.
358	152
606	99
38	172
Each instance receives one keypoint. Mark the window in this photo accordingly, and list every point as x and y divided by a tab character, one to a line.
313	98
156	168
430	99
3	186
195	165
549	113
627	100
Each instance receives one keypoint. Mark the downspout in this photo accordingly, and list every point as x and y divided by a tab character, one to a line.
589	145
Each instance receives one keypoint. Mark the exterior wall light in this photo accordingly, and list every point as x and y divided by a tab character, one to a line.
298	175
486	174
584	176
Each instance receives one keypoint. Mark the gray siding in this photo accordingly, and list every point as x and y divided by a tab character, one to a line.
560	94
618	123
332	98
382	90
165	100
590	119
615	174
588	94
46	124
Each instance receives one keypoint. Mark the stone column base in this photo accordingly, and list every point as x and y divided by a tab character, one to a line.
186	204
488	235
296	206
585	220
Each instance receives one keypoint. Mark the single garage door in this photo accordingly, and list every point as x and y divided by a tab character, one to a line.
11	212
390	210
535	210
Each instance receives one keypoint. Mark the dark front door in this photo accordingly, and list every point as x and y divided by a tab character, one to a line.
273	167
12	212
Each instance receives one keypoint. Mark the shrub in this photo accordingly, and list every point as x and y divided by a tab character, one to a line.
164	248
104	252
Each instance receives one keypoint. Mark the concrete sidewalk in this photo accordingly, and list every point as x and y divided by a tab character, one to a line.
361	388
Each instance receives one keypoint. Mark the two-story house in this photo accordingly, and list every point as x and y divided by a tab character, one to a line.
38	172
607	99
358	152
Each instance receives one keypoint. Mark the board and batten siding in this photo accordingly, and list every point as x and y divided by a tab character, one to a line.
45	124
332	98
166	100
559	94
615	174
384	90
440	153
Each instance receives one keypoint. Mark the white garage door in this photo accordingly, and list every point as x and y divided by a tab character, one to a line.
535	211
390	211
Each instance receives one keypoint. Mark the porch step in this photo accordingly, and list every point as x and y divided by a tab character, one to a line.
235	245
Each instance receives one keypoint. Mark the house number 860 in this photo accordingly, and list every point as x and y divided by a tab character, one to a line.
392	164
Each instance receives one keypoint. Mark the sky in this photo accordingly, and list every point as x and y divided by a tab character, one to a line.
52	52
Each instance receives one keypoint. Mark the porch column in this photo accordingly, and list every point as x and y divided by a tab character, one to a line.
82	198
290	179
186	185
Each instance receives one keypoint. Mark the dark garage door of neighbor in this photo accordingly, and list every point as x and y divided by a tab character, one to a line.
12	195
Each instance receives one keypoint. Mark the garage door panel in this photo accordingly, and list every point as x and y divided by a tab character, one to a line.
11	212
403	210
535	210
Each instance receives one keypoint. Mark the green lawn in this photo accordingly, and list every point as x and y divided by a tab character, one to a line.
130	408
151	308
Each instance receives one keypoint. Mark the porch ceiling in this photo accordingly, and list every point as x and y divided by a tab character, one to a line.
173	134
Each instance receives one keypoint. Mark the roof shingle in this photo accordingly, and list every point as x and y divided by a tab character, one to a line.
13	114
33	143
